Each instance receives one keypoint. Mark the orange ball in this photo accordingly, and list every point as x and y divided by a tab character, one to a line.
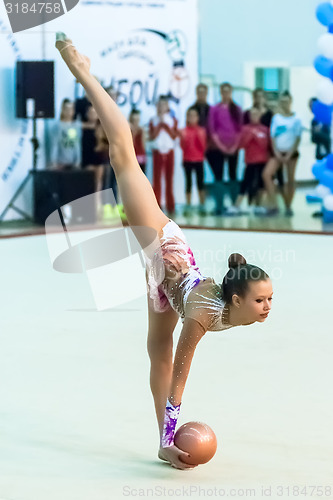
199	440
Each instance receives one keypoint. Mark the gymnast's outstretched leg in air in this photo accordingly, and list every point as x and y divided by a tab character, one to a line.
141	208
137	195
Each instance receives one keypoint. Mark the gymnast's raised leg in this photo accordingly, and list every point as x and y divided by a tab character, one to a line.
138	197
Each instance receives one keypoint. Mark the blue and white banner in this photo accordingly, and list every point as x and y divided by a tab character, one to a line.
143	48
15	147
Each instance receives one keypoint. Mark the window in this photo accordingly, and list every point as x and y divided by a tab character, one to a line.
272	80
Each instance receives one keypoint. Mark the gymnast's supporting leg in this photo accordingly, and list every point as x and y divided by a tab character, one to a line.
159	346
140	210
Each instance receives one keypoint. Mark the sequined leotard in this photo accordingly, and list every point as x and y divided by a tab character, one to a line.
174	280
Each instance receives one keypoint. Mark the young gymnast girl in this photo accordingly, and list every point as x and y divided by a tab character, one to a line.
243	298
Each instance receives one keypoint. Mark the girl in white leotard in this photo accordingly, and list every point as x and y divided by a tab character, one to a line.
180	290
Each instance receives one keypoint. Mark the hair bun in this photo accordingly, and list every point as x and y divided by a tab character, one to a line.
236	259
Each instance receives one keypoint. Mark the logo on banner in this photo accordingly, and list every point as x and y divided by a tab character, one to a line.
176	46
30	13
147	63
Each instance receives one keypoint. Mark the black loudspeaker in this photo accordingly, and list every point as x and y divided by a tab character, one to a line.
53	189
35	80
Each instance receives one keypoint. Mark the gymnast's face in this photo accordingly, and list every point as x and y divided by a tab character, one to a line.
257	303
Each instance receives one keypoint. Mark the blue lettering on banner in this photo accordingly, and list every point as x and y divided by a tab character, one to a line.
137	91
17	154
24	127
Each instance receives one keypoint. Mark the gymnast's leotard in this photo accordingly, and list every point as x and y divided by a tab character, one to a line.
174	280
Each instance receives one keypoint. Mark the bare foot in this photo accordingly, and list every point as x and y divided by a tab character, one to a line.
160	455
172	455
77	63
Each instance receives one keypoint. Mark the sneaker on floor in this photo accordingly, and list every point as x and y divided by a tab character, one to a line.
187	211
289	212
272	212
119	209
219	211
107	211
259	210
232	211
202	211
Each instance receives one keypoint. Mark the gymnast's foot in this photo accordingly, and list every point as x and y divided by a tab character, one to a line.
160	455
77	63
173	455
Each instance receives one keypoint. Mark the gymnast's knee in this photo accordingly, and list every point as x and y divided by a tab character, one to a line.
159	351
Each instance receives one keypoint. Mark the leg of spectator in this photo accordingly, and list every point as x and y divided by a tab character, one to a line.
113	184
282	189
243	187
291	186
106	182
199	171
268	176
169	170
188	182
252	187
99	171
215	159
157	172
233	183
260	186
188	187
143	167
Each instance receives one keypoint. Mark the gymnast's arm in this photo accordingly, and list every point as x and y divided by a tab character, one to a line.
113	121
192	332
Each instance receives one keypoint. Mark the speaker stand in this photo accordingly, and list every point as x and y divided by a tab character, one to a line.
11	204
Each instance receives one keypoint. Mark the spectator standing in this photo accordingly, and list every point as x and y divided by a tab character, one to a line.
224	128
193	143
320	135
163	132
260	103
201	104
91	158
66	139
138	135
286	131
255	140
81	107
266	116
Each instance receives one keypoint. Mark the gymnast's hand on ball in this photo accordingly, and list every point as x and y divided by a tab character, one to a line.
77	63
173	455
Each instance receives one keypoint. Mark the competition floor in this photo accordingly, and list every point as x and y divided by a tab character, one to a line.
77	418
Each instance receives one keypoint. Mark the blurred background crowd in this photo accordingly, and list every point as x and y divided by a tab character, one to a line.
269	133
